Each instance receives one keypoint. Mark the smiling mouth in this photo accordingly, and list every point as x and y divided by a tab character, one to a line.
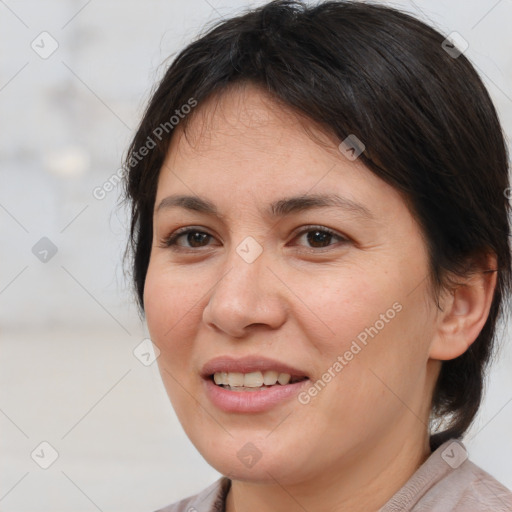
254	381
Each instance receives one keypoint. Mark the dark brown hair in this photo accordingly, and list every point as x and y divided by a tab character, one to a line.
428	124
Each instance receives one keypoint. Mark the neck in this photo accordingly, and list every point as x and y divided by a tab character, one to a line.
362	484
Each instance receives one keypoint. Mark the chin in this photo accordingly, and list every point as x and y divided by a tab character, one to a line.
249	464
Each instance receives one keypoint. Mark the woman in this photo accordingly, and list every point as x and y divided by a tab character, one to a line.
321	250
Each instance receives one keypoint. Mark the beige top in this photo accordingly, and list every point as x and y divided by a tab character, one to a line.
446	482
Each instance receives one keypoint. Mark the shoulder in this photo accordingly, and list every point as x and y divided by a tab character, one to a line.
449	482
480	489
210	499
469	487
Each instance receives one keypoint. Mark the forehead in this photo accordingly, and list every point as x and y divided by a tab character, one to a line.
243	148
244	141
244	118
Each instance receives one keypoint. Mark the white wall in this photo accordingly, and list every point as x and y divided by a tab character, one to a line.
68	326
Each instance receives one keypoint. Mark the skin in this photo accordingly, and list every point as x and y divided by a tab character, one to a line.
361	438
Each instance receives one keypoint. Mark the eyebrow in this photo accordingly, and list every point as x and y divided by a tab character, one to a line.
280	208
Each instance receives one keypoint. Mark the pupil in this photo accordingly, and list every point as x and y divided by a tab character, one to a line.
322	237
196	236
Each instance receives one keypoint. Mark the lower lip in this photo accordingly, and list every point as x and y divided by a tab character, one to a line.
251	401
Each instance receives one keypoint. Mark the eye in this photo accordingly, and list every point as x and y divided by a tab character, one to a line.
193	236
318	236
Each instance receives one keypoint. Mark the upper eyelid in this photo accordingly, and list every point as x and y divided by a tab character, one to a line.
297	231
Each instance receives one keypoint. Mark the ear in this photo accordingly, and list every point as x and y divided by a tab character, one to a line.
465	309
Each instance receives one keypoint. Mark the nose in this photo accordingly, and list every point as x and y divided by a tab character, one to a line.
246	296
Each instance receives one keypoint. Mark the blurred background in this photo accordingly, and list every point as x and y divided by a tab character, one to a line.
85	421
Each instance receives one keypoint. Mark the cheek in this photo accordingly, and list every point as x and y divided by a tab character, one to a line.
170	304
372	321
341	306
171	308
159	297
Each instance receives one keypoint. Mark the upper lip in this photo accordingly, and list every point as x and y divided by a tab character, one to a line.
248	364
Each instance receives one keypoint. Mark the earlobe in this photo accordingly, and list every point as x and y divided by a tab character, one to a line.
464	312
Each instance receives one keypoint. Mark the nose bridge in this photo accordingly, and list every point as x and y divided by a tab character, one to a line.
247	237
246	265
249	250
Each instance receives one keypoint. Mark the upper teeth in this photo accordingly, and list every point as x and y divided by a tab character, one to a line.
251	380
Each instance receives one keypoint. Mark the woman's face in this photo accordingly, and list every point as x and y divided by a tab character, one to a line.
335	293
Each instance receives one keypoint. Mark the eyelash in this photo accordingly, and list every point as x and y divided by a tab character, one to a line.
170	241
